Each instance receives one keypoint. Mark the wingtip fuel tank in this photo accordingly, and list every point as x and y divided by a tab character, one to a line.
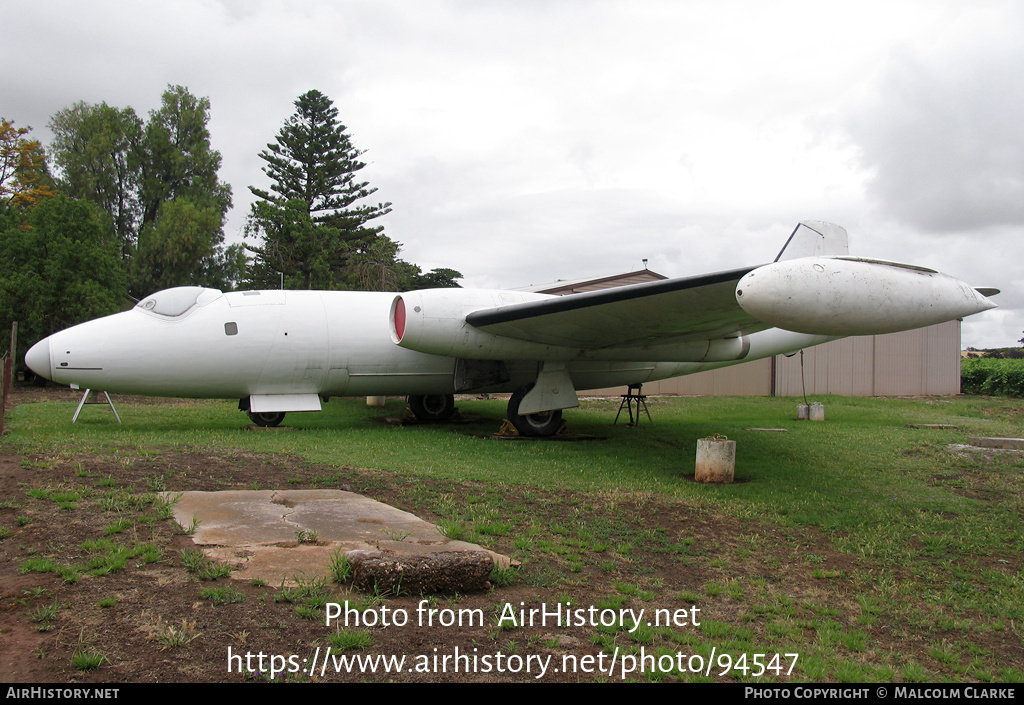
841	296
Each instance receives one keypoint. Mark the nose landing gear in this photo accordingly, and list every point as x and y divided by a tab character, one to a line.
267	419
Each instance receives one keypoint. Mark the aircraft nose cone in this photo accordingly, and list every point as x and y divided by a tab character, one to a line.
38	359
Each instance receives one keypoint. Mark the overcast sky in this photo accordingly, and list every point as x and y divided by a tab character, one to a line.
527	141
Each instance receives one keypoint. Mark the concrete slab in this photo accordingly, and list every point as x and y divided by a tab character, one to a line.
280	535
996	442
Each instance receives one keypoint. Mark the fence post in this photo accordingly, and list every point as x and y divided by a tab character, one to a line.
8	374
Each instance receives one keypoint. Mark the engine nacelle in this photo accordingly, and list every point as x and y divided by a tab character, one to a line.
434	321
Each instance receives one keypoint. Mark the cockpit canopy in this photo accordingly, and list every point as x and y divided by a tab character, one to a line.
178	301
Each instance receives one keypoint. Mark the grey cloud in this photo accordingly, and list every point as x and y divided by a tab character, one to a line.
946	140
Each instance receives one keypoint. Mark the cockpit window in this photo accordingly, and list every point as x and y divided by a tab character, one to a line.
176	301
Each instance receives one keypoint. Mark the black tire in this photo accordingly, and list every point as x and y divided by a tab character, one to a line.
545	423
266	418
432	407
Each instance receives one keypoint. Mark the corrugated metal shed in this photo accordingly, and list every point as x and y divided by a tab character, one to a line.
913	362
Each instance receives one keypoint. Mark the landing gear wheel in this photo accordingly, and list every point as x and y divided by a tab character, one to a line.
432	407
544	423
266	418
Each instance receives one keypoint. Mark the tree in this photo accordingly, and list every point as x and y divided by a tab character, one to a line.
380	269
377	267
177	245
176	156
24	179
295	249
313	198
157	181
57	267
226	269
438	278
97	149
314	231
183	203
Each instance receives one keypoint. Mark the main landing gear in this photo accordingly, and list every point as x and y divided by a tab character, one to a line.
441	407
432	407
544	423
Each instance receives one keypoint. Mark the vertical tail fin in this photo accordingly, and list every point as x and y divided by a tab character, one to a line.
815	238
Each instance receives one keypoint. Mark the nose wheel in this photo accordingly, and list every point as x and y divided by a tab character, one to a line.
266	418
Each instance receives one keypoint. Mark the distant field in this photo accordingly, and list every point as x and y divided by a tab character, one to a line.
874	551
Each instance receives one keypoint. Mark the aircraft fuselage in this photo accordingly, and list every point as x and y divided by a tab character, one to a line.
282	351
327	343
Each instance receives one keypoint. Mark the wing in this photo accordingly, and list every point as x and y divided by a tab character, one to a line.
674	310
665	312
813	288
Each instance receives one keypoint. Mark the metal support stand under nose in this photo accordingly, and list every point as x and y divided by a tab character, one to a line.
96	401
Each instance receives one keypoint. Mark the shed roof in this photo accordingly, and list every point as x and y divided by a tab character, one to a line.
576	286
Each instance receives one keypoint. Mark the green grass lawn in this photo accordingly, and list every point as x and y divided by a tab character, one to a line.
924	577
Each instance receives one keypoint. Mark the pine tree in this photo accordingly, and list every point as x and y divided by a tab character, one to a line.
314	161
314	230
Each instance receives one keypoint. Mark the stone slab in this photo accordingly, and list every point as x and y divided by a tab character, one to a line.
280	536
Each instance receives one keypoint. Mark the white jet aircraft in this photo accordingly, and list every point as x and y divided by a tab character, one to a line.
282	351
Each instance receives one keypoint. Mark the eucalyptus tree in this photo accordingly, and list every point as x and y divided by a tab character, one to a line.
157	182
96	149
